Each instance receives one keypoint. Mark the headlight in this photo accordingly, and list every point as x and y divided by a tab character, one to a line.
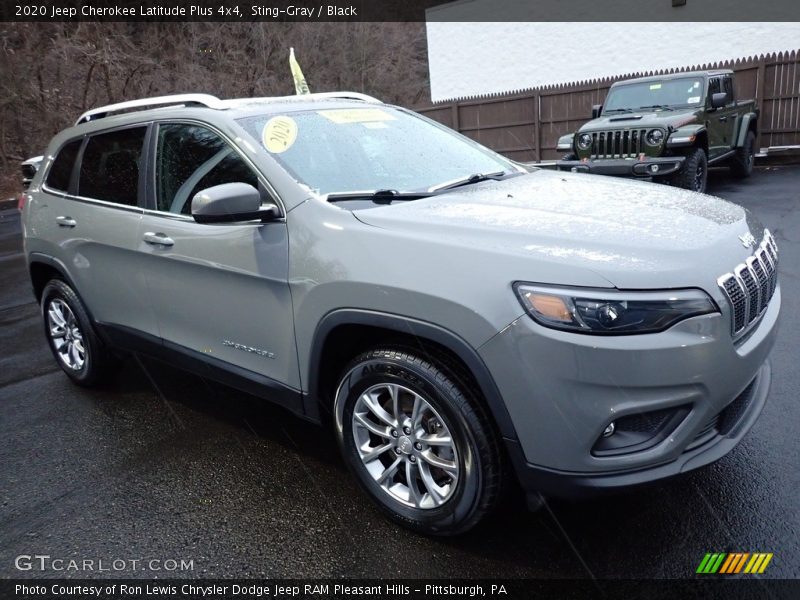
655	137
584	141
611	312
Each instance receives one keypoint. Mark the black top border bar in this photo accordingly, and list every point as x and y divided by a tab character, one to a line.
399	10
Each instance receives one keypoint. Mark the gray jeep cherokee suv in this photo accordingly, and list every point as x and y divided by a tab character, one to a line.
461	321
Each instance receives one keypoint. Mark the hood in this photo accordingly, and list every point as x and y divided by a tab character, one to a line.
636	120
635	235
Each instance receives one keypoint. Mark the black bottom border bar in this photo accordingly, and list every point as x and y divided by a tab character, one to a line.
710	587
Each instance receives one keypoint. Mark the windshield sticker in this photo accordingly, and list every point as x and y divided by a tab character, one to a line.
693	99
357	115
279	134
655	86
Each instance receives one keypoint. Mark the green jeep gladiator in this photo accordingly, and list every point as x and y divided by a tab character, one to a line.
669	128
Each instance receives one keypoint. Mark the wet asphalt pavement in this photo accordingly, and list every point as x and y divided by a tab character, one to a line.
200	472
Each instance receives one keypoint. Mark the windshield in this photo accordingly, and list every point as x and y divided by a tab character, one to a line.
367	149
686	91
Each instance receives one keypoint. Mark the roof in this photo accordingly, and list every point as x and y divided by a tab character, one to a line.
678	75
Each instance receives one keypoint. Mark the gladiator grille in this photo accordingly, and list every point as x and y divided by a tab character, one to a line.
618	144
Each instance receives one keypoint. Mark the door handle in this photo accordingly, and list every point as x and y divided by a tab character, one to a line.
66	222
723	119
157	239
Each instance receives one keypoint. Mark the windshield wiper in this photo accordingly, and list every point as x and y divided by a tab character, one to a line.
377	196
613	110
661	106
469	180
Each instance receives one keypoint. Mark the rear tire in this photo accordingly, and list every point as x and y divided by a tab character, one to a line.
437	466
71	337
744	159
694	173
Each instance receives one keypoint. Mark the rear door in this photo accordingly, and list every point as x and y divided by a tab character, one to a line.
93	198
220	290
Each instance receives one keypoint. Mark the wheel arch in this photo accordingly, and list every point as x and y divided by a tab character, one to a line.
343	334
702	140
42	268
749	123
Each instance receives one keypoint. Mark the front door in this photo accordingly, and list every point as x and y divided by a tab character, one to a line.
722	122
220	290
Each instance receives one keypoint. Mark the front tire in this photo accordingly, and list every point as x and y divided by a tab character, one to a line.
694	173
417	441
71	337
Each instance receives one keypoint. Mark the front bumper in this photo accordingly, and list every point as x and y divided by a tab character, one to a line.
565	484
563	389
626	167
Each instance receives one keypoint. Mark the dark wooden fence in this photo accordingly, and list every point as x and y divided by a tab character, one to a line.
526	125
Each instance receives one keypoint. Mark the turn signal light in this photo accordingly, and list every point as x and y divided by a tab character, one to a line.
551	307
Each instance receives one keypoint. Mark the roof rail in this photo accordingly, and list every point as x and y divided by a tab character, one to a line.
209	101
234	102
102	111
347	95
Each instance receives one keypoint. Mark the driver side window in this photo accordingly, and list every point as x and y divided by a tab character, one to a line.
190	158
713	87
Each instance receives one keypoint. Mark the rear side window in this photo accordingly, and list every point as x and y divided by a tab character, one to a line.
61	171
110	166
191	158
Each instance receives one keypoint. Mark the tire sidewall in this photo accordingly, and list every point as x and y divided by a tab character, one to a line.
58	290
700	159
748	154
458	508
686	176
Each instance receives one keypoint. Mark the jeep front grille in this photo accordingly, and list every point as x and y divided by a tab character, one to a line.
618	144
751	285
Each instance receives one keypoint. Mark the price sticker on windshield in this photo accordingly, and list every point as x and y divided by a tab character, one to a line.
279	134
357	115
655	86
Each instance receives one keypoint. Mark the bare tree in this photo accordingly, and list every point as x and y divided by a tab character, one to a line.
51	72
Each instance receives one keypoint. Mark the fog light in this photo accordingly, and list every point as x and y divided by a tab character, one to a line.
654	168
609	431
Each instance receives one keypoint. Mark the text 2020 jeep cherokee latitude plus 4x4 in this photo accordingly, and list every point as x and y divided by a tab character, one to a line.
449	312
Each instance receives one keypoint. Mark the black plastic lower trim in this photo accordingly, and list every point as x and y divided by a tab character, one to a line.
623	166
256	384
419	329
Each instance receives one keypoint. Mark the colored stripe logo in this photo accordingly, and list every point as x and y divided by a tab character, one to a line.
734	562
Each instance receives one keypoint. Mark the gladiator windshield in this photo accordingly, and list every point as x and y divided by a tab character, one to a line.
682	92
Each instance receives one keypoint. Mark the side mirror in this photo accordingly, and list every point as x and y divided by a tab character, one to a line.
719	99
596	110
231	202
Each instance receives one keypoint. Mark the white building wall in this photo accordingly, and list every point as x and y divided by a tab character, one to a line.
476	59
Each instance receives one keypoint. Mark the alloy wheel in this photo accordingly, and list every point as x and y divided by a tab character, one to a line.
405	445
698	177
66	335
